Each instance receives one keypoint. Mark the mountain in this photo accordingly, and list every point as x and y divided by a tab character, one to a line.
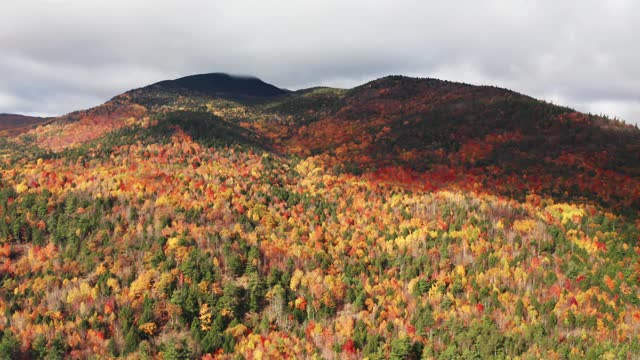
219	217
435	129
15	121
221	85
443	134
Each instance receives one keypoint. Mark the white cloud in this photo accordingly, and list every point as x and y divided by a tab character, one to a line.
8	101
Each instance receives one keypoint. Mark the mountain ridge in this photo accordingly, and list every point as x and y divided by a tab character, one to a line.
396	123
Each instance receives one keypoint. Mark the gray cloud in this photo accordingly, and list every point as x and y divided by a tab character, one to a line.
61	55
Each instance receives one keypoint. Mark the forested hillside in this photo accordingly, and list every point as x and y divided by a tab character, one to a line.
402	219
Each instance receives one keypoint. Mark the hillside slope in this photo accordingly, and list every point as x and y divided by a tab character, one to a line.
403	219
445	134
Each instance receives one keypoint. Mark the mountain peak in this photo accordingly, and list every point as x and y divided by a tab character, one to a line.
221	84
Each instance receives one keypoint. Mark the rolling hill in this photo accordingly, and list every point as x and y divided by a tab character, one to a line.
222	217
15	121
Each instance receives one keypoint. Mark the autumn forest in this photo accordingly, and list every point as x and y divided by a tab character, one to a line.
214	217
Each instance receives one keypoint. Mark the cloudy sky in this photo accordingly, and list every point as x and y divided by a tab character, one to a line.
62	55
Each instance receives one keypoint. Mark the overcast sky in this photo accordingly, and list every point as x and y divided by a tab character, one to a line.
62	55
